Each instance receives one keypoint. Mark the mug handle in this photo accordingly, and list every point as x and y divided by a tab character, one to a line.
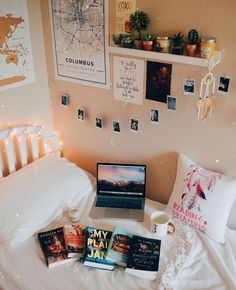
171	228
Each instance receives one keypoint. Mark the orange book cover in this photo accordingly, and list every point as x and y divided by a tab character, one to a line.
74	240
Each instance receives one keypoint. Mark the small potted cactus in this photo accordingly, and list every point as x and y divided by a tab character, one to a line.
192	45
117	38
177	46
148	40
139	21
127	41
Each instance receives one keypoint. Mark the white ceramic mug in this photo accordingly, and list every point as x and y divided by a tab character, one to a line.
160	224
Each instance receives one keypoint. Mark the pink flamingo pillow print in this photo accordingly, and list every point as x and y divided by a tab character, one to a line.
199	183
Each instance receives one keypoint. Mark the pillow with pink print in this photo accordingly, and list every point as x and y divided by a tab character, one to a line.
202	198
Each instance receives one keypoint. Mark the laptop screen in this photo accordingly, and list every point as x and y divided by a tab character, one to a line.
121	179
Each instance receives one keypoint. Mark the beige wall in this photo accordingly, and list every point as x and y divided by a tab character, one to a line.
211	143
29	104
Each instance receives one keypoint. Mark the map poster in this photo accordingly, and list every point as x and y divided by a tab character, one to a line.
16	61
123	11
80	31
128	80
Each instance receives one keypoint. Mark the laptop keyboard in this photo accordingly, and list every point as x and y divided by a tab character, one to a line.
119	203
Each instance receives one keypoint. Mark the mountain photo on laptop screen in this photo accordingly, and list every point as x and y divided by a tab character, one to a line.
119	179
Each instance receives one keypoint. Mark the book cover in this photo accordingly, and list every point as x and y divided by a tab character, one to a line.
53	247
96	245
119	247
144	257
74	240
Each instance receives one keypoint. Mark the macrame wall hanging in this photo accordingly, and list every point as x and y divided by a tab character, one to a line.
207	91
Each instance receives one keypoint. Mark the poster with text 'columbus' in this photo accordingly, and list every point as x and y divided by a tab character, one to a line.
80	38
16	62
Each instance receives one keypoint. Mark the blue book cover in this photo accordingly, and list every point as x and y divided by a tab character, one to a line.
97	242
119	247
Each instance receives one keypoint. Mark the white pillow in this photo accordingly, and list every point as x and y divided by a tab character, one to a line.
232	217
35	195
202	198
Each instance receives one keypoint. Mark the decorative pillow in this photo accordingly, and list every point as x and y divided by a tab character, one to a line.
34	196
202	198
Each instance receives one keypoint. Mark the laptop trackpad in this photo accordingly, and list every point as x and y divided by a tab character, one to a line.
117	213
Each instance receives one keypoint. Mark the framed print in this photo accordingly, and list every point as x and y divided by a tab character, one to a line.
158	82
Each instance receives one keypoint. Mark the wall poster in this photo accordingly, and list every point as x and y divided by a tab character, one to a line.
158	83
123	11
16	61
128	80
80	33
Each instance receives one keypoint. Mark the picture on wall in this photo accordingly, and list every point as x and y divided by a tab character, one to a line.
123	11
189	87
116	126
128	80
158	82
223	86
80	41
134	125
99	122
171	103
81	114
65	100
154	116
16	60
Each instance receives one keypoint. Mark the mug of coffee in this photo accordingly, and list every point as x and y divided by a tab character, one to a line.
160	223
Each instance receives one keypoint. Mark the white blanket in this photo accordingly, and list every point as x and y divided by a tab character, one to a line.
189	260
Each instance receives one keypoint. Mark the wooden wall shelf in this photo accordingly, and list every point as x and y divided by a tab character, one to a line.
164	57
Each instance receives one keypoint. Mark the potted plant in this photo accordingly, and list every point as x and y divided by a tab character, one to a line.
139	21
192	45
127	41
177	44
117	38
148	40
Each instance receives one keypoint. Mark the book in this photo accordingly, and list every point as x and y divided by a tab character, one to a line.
74	240
119	247
144	257
53	247
96	245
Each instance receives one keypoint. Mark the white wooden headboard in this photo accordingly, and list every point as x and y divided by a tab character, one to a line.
24	144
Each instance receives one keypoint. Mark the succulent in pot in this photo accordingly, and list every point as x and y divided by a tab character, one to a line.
177	44
192	45
117	38
127	41
139	22
148	41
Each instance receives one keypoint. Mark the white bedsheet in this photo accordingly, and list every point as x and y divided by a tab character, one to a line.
189	260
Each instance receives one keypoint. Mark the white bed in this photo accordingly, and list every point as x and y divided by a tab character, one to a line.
189	259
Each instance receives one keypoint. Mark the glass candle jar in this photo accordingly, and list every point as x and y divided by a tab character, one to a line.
208	47
163	44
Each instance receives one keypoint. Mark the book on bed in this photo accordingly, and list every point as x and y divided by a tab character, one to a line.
144	257
74	236
96	245
53	247
119	247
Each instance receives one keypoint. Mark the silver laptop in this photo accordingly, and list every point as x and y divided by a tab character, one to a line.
120	191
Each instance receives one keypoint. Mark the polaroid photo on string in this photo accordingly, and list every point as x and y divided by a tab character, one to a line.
223	85
116	126
154	116
65	100
189	87
81	114
99	122
171	103
134	125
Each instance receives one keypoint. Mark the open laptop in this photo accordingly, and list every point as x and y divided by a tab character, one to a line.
120	191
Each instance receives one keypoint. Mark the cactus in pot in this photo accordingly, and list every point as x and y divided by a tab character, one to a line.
177	44
148	41
192	45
